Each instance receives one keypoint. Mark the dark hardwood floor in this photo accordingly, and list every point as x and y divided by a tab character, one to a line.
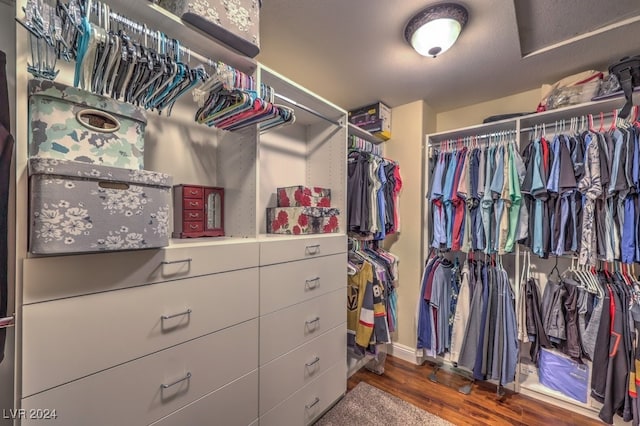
482	407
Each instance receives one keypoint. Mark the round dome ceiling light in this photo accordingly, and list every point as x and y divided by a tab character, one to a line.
433	30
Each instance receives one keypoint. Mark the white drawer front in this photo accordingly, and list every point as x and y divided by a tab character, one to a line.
284	330
301	247
288	283
132	393
66	339
308	403
285	375
50	278
233	405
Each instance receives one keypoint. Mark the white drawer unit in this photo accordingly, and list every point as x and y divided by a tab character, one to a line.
288	283
66	339
57	277
306	405
150	388
284	330
285	375
303	247
227	406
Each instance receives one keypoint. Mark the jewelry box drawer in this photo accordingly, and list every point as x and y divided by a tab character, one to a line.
285	284
192	191
193	226
193	215
192	204
285	375
307	404
235	404
302	247
110	328
49	278
286	329
150	388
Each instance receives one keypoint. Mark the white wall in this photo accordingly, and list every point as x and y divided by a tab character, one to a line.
410	123
475	114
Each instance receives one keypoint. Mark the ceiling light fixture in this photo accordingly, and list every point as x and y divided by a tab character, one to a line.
433	30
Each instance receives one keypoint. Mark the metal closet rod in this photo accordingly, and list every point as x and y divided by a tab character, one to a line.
567	121
309	110
7	322
470	137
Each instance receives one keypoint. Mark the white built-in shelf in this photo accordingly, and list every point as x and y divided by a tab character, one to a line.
527	121
159	19
309	108
364	134
593	107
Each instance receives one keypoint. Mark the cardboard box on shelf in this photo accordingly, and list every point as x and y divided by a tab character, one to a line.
375	118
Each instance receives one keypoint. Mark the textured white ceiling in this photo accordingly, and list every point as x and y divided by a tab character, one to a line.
543	23
352	52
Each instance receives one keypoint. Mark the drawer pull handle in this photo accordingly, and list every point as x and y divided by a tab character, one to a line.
171	262
179	314
315	320
314	362
313	404
313	250
194	203
316	282
193	226
193	215
194	192
166	386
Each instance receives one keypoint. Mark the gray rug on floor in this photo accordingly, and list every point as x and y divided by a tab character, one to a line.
370	406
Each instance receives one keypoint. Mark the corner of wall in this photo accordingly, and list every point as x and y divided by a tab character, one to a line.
410	123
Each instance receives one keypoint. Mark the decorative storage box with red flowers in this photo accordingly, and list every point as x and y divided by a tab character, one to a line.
303	196
302	220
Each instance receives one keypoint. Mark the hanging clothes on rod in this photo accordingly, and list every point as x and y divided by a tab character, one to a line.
468	311
372	299
475	195
582	190
588	314
373	188
490	347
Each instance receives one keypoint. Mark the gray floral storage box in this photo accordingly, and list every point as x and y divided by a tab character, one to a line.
235	23
72	124
78	207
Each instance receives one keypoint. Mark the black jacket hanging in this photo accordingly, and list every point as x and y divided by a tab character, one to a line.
535	328
6	152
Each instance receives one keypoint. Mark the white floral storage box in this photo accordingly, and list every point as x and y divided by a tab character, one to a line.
235	23
78	207
72	124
